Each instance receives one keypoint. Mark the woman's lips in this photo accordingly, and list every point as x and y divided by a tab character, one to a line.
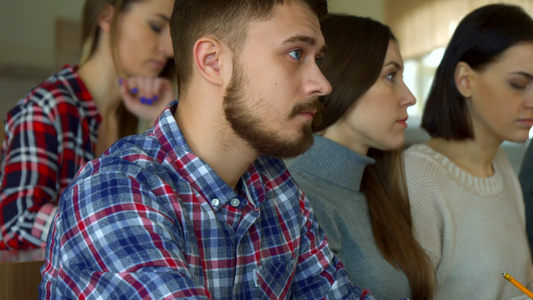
403	121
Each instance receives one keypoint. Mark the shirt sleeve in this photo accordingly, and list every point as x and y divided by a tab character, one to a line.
118	240
320	274
29	186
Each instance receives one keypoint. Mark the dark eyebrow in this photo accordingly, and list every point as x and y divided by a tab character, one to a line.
307	40
529	76
397	65
162	16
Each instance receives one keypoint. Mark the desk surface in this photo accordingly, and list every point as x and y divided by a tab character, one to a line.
26	255
19	273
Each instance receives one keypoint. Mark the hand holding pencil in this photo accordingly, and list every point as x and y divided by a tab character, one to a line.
518	285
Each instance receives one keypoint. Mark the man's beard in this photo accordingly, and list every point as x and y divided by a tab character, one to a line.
251	128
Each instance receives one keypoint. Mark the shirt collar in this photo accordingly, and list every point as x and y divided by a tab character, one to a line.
195	171
70	73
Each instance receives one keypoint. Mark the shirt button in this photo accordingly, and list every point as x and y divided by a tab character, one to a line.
235	202
215	202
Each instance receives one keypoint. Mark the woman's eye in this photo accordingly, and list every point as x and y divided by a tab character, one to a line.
519	85
391	76
155	28
296	54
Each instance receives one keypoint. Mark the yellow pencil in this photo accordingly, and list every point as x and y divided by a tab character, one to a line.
518	285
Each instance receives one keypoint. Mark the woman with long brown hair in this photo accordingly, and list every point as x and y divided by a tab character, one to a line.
76	114
353	174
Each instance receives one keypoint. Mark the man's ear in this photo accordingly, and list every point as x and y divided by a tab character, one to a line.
209	60
463	77
105	18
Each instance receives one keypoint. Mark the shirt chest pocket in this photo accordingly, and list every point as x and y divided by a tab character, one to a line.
275	275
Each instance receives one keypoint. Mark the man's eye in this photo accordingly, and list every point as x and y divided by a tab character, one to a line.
297	54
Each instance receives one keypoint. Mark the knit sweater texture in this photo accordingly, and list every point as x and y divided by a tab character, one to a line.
330	176
473	229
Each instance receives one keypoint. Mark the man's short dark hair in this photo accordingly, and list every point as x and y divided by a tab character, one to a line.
224	19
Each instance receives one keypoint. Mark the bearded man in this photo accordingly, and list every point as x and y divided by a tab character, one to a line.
201	205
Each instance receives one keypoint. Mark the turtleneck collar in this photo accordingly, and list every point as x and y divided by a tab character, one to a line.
334	162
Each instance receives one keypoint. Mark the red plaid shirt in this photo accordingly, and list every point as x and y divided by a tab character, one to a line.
50	135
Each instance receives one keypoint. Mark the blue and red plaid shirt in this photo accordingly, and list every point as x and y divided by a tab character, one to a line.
151	220
50	135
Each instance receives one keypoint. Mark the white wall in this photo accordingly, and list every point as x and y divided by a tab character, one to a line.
27	29
27	44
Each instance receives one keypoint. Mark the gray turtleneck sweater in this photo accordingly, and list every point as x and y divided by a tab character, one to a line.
330	176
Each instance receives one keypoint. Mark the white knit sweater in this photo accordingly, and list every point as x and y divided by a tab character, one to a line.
473	229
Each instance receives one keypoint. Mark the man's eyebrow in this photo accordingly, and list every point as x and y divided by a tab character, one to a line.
311	41
301	38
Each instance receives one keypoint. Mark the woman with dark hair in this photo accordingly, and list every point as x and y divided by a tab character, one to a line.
466	202
353	175
76	114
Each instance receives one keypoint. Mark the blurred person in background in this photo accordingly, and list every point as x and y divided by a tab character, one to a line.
76	114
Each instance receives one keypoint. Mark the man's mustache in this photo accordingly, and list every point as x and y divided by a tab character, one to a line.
314	104
307	106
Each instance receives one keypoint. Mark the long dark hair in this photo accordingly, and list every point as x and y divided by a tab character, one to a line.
356	51
480	38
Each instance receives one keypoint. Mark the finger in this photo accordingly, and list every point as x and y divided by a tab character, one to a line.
133	85
146	90
156	89
124	89
138	86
